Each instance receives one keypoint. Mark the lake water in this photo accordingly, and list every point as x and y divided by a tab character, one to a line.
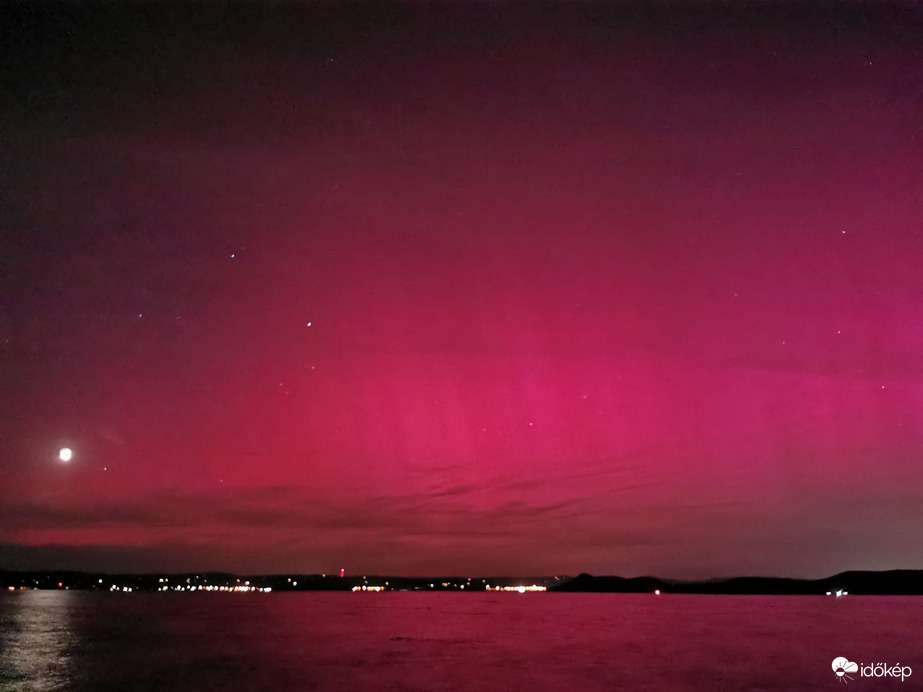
443	641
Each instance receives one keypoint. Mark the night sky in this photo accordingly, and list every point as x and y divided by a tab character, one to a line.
469	289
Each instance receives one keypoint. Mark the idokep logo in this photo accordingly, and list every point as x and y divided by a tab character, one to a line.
843	666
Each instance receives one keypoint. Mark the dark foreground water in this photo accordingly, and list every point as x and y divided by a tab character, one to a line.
420	641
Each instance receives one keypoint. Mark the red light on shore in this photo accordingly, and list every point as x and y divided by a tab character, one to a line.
342	572
60	585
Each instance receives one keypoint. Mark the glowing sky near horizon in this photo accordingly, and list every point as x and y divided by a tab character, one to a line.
475	293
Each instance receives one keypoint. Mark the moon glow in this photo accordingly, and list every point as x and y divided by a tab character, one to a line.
65	454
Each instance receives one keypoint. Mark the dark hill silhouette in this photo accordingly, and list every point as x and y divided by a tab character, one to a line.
894	582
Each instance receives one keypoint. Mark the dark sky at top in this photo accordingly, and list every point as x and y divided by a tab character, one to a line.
468	288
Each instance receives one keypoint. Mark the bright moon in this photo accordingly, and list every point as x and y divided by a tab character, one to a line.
65	454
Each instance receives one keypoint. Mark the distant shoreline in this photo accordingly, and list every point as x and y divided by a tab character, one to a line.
891	583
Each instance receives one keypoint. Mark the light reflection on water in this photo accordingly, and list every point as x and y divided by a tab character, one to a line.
36	640
408	641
